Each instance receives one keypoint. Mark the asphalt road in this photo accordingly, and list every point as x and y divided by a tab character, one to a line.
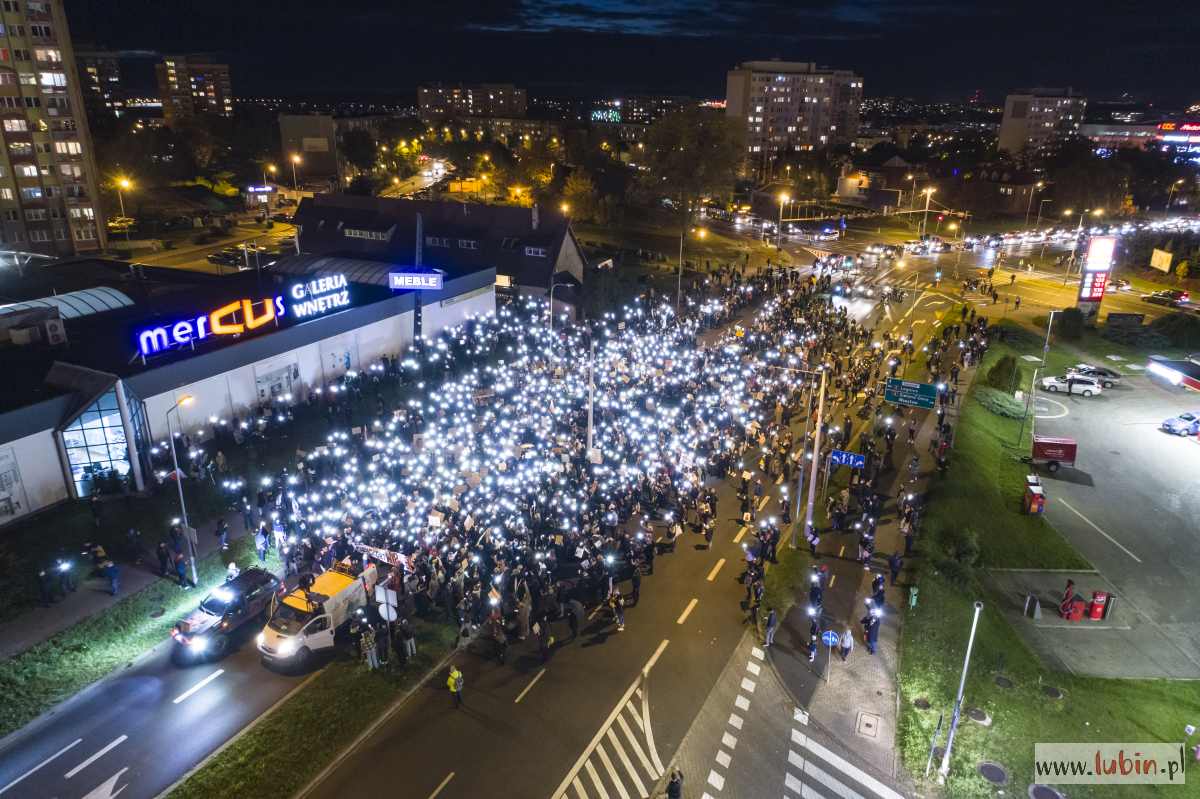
138	731
193	258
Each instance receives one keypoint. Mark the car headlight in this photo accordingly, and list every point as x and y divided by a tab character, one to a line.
198	644
261	639
287	647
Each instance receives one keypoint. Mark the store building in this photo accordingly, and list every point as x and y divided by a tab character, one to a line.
103	350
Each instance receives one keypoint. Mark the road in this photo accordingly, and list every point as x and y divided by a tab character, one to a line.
193	257
138	731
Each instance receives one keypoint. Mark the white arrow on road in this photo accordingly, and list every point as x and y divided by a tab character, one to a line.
105	789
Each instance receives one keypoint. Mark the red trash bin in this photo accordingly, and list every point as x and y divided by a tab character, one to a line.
1096	606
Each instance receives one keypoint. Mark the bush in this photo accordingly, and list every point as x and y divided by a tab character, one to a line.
1069	323
999	402
1180	329
1004	374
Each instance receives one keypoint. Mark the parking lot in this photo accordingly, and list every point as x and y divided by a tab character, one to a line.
1131	503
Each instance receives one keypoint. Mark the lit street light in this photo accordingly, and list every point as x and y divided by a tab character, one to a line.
186	399
783	198
1171	193
123	185
1078	231
925	217
266	183
295	182
1029	205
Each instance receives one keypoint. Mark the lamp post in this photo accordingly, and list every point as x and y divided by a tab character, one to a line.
553	286
123	185
925	217
1038	225
912	195
1078	232
783	198
267	183
186	399
295	183
1029	205
962	683
812	478
1170	194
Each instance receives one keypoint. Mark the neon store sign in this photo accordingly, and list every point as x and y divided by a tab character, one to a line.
308	300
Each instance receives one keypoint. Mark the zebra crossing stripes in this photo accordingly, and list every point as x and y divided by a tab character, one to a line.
815	772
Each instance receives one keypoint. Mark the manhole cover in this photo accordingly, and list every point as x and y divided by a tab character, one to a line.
1004	682
157	613
921	703
993	772
979	715
1044	792
1052	692
867	725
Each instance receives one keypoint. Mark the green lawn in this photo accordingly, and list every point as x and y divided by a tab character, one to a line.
289	747
46	674
982	492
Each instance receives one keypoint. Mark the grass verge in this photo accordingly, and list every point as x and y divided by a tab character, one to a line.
42	676
313	726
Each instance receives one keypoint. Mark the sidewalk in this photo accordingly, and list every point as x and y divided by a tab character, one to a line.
857	700
91	597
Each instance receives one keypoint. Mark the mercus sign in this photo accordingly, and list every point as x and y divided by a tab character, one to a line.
308	300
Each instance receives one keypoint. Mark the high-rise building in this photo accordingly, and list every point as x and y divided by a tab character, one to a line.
100	76
640	109
438	101
48	197
1036	117
191	86
790	106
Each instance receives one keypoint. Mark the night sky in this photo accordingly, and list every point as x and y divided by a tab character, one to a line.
929	49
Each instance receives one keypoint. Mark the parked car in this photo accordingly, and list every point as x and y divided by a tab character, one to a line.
281	216
1072	384
1185	424
208	630
1107	377
1169	297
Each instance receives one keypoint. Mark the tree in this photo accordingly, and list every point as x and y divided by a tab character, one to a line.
363	186
1004	374
1182	270
579	193
360	149
1069	323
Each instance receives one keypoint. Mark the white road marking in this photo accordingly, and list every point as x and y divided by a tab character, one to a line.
1093	525
830	782
532	683
737	539
712	575
624	758
442	785
723	759
108	748
578	786
800	715
715	779
753	668
105	789
735	721
198	686
632	740
758	653
748	685
742	703
612	772
728	740
849	769
596	783
687	611
764	502
45	762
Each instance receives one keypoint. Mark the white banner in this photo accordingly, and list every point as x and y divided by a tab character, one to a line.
1161	260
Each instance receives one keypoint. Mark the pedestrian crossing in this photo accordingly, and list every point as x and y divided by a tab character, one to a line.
815	772
623	762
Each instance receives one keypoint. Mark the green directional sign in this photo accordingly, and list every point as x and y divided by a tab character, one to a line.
909	392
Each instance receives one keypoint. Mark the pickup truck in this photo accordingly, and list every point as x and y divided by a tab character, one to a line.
306	620
209	629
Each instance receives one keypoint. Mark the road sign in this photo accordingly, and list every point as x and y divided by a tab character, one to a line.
852	459
387	612
386	596
909	392
830	638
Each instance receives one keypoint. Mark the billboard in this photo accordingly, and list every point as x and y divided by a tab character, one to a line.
1100	254
1161	260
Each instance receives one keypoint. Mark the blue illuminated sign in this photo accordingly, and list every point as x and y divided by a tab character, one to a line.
420	281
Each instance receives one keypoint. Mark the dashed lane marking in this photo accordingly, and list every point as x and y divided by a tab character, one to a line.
712	575
687	611
44	763
532	683
108	748
442	785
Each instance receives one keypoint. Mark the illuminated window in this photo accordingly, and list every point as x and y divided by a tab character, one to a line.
97	451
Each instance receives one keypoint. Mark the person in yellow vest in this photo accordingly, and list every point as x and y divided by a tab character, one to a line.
455	683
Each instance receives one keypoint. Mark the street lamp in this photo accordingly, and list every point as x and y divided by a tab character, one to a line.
1171	193
783	198
944	770
1078	231
912	195
1029	205
553	286
186	399
925	217
565	208
1038	224
123	185
266	183
295	183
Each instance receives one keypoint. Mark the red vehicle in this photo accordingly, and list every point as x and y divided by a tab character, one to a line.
1053	452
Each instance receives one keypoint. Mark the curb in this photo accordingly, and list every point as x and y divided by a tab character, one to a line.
237	735
372	728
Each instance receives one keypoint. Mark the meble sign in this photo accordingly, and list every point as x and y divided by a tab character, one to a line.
308	299
421	281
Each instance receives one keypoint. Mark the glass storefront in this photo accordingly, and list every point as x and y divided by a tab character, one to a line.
97	451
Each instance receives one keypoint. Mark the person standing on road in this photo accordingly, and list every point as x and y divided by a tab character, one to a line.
772	626
616	603
895	563
223	534
846	641
455	683
675	786
574	614
637	586
164	558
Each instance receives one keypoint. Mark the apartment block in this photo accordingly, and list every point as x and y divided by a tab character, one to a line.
441	101
1034	118
100	77
190	86
48	188
789	106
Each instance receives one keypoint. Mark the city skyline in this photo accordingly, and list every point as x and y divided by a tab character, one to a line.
599	46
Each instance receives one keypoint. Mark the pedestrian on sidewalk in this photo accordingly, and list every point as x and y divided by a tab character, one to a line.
408	638
455	683
772	626
181	569
616	603
45	595
112	573
675	786
164	559
814	540
846	640
895	563
261	542
222	532
366	643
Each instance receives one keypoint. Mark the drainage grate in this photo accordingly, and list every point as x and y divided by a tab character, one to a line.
1004	682
1045	792
979	715
1052	692
993	772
